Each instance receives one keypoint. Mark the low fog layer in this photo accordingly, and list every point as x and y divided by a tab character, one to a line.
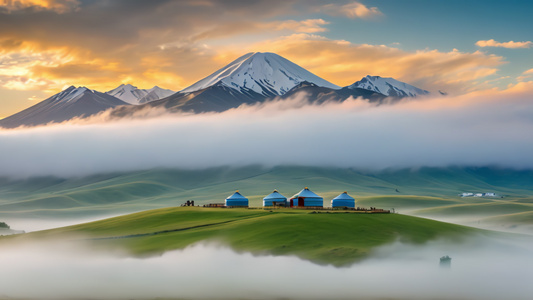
36	224
490	270
479	129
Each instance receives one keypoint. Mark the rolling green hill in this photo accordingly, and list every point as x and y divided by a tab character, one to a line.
161	187
337	238
423	191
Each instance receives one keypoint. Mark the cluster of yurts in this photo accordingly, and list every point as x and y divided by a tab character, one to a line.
305	198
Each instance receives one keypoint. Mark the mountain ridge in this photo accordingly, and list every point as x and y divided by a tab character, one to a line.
65	105
388	87
265	73
252	78
135	96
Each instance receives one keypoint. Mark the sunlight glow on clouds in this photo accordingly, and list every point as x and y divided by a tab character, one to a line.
432	70
352	10
525	76
306	26
17	67
173	44
59	6
509	45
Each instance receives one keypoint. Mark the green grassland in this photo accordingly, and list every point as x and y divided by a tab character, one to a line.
425	191
337	238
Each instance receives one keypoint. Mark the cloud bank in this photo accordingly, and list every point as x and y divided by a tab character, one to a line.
479	129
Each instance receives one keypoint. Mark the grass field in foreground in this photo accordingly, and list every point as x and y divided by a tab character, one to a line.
336	238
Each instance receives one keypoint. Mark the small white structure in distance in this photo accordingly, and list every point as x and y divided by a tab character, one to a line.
275	199
479	195
343	200
236	200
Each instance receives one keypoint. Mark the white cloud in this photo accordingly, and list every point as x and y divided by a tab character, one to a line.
477	129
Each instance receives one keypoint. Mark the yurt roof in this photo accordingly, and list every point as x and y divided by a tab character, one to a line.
306	193
275	195
344	196
236	196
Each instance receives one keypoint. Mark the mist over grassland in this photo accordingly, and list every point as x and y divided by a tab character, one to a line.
47	202
69	263
481	269
95	166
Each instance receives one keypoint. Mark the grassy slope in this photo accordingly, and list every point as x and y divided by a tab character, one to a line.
329	238
484	209
426	191
158	188
513	219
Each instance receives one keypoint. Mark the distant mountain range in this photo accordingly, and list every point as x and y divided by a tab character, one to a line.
253	77
389	87
69	103
132	95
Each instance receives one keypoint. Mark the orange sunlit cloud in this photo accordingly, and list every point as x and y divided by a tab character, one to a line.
59	6
17	68
352	10
172	66
509	45
525	76
173	44
175	68
343	63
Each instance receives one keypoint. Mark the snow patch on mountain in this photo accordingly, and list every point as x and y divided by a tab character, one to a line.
267	74
70	94
388	87
156	93
65	105
133	95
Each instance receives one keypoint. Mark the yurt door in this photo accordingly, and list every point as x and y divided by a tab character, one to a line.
301	202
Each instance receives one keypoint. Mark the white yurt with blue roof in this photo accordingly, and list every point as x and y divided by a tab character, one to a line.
237	200
306	198
343	200
275	199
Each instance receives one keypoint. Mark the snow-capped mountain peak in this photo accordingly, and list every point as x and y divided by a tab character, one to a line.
128	93
388	87
70	94
133	95
267	74
67	104
155	93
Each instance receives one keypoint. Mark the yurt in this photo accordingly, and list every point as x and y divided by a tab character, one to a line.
343	200
306	198
237	200
275	199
